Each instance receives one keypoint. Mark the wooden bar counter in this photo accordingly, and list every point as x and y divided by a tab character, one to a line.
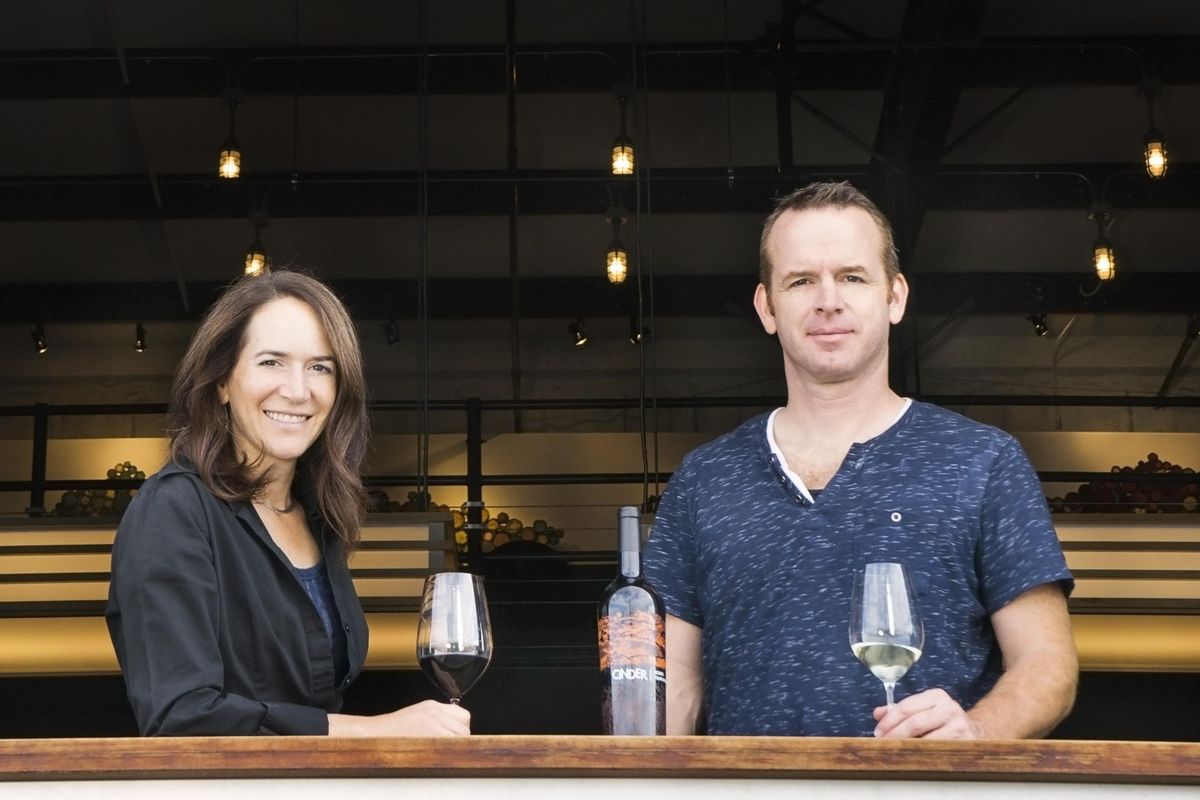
579	767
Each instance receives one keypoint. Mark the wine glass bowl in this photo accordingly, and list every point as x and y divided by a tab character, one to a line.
454	634
886	633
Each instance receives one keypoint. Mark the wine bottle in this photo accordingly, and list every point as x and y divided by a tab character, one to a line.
632	636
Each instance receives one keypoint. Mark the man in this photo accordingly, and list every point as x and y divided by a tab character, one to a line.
759	533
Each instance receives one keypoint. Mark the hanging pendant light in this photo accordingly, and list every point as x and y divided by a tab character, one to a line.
1155	154
139	338
229	162
622	149
1154	146
1104	258
617	257
257	260
618	263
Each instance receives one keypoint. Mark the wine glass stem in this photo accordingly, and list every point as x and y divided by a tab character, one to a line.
889	688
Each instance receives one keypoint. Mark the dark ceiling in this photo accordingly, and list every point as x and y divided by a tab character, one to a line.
465	143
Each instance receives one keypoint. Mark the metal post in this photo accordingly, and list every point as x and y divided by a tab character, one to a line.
37	476
474	523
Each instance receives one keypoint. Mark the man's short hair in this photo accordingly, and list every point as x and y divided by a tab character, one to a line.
839	195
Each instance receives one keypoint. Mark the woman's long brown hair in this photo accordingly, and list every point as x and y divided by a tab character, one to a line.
199	426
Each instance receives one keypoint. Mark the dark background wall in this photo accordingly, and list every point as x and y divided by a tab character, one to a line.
565	699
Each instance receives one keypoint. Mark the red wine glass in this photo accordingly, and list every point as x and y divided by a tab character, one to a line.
454	635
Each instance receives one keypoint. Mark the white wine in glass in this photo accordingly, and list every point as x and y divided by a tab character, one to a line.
454	634
886	633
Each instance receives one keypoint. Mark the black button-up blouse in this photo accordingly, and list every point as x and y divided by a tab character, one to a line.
214	633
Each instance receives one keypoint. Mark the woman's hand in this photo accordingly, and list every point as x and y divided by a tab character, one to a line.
427	718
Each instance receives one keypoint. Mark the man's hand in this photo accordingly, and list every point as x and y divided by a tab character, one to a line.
1035	692
931	714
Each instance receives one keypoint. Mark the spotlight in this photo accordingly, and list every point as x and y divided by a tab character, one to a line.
39	339
229	162
617	258
636	332
1040	327
139	338
578	332
622	149
391	331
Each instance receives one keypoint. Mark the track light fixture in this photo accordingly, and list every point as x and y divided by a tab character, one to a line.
229	162
1154	146
391	331
622	149
1104	258
39	339
578	332
1040	327
636	332
257	261
139	338
617	257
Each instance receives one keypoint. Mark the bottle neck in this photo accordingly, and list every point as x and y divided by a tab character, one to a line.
629	543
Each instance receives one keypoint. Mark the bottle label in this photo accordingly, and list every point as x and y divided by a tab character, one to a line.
633	673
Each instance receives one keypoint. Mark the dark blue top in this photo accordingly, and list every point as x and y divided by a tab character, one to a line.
315	581
767	575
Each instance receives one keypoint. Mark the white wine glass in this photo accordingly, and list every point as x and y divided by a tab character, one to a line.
886	633
454	634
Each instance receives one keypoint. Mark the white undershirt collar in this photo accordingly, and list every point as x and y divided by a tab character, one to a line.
792	476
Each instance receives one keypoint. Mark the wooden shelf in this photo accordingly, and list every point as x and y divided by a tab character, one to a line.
599	756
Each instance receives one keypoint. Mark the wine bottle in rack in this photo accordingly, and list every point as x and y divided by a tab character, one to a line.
632	636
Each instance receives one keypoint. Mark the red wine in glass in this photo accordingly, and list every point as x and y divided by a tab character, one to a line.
454	673
454	634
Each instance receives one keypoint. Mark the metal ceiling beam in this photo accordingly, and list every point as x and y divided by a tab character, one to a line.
593	297
1189	336
583	67
133	146
980	187
920	97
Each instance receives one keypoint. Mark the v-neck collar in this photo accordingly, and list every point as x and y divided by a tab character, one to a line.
794	477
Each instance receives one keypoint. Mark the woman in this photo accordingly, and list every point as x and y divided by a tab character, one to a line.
231	606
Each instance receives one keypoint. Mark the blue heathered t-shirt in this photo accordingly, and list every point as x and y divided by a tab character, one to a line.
738	551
